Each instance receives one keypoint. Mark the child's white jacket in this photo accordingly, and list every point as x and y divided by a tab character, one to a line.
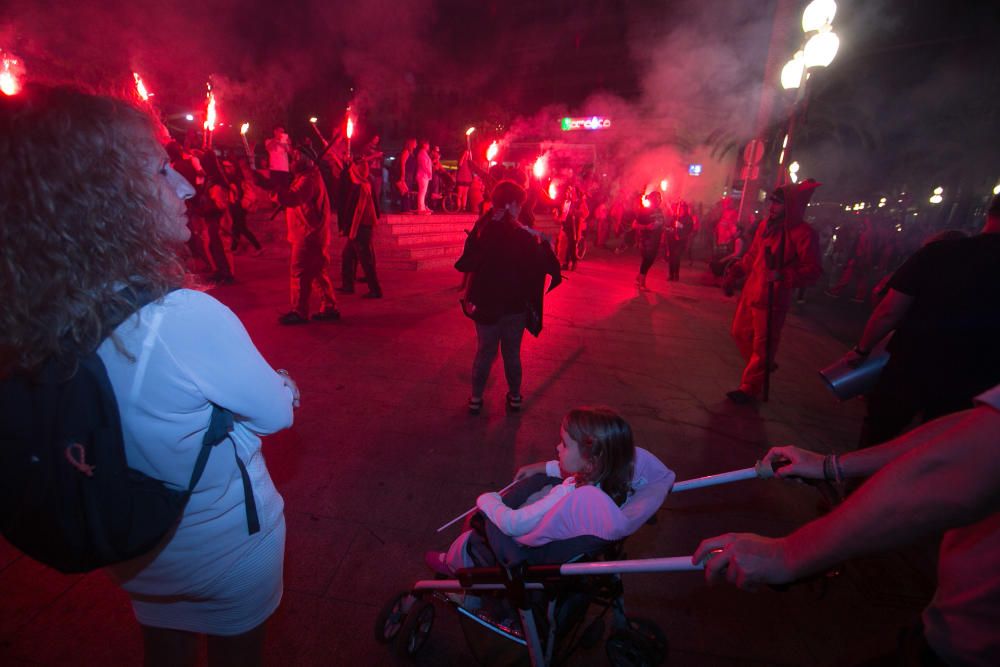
568	511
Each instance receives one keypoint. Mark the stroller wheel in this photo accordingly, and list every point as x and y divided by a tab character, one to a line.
642	644
390	619
415	630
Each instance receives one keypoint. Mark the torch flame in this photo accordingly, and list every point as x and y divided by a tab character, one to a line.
8	77
350	127
492	151
552	191
313	120
210	113
645	201
470	131
541	166
664	184
244	128
140	87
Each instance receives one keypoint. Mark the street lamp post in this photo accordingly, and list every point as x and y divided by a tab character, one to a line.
819	50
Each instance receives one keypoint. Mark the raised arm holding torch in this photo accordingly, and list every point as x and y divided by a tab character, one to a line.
312	124
244	128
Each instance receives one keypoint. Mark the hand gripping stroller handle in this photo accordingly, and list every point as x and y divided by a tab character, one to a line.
761	470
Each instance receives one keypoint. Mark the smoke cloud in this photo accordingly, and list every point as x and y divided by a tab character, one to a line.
681	81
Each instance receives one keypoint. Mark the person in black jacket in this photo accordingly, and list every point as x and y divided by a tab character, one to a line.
508	264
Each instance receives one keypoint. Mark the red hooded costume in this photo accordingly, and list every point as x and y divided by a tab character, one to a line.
801	266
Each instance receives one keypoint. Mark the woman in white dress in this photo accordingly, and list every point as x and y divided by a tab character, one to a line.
92	205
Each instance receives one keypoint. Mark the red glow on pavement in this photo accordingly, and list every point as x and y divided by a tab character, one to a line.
8	77
541	166
140	87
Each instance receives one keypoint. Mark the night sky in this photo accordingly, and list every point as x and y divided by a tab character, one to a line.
911	99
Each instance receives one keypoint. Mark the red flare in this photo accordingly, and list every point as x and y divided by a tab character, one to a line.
140	87
9	74
541	166
210	112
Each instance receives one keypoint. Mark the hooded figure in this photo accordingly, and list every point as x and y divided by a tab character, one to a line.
307	214
785	252
356	220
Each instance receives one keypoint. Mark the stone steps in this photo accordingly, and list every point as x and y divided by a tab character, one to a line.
444	239
412	242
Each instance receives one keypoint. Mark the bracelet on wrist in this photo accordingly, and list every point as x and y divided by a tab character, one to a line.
828	472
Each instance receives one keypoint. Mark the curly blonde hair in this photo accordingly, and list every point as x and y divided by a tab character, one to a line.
80	217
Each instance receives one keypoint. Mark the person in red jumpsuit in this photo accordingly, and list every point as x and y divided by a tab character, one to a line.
785	229
307	213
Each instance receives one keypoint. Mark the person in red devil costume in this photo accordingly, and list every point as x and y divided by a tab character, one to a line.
307	214
784	255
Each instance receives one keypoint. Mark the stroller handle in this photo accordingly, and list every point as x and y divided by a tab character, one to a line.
648	565
761	470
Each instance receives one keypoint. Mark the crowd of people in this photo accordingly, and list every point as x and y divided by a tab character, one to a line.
114	205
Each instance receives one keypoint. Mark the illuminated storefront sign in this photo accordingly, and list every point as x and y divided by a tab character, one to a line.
592	123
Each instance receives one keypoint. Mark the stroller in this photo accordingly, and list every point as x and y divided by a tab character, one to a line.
542	606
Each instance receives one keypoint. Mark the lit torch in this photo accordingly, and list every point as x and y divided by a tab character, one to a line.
664	184
553	191
9	73
350	131
468	139
210	116
312	123
491	153
541	166
140	88
244	128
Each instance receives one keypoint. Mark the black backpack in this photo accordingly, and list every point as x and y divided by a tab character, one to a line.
68	497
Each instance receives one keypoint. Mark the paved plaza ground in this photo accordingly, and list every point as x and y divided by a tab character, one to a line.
382	452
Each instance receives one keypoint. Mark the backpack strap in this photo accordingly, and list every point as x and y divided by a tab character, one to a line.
219	426
220	423
136	296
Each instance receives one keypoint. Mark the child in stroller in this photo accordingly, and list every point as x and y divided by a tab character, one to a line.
577	508
533	576
601	487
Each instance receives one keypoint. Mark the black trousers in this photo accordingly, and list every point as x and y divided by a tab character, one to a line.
676	248
648	249
359	249
240	228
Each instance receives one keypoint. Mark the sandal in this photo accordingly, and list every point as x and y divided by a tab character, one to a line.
514	402
475	405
